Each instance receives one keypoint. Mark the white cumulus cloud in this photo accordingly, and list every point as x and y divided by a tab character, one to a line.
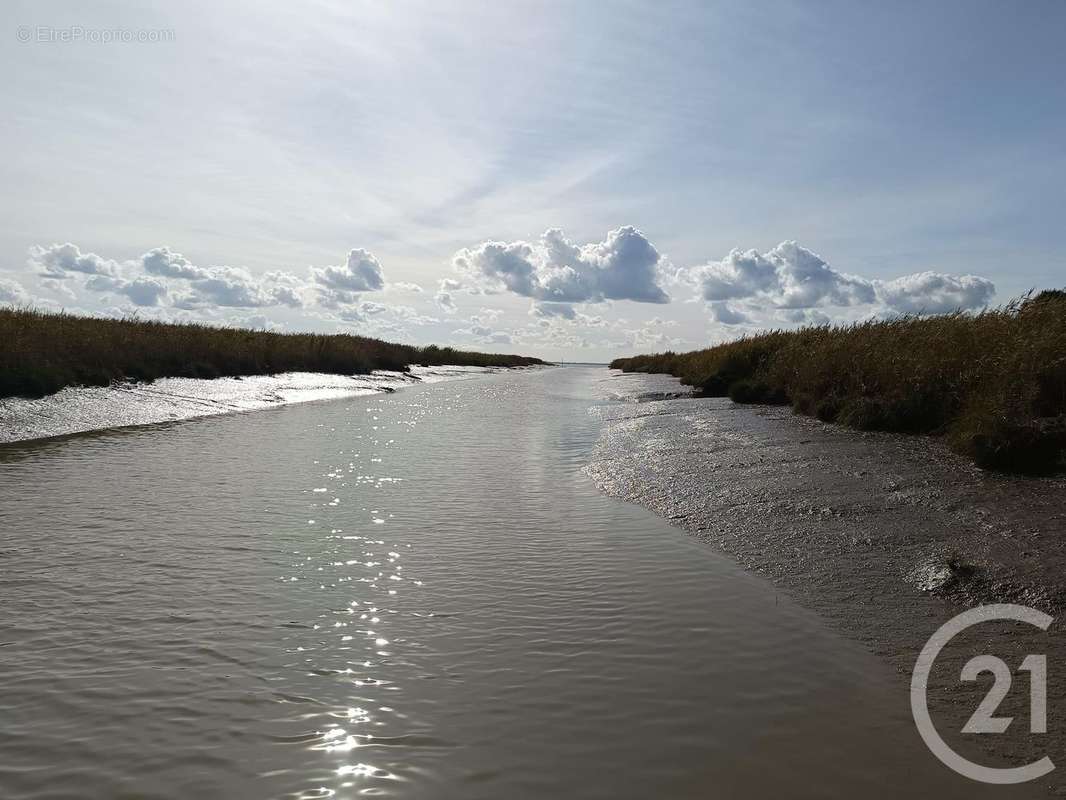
163	276
60	260
722	311
935	292
787	276
624	266
144	291
792	281
164	262
360	273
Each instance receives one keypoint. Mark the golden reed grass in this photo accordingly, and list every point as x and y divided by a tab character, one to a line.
994	383
41	353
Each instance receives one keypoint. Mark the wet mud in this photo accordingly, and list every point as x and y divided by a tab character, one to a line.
886	536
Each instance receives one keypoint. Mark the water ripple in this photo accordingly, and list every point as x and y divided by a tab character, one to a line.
409	595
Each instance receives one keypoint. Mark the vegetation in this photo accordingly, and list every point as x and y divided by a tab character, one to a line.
41	353
994	383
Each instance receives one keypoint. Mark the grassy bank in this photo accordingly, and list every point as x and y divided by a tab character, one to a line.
994	383
41	353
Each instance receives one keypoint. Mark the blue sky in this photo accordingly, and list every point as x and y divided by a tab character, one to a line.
912	151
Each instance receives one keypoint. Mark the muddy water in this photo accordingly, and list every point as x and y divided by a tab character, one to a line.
409	595
887	536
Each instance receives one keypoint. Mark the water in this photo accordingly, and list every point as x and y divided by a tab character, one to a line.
80	409
413	595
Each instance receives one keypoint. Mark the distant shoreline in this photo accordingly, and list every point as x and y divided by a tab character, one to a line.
44	353
79	409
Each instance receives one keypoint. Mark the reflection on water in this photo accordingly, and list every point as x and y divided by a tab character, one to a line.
82	408
409	595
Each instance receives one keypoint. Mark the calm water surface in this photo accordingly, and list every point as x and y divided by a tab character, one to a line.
413	595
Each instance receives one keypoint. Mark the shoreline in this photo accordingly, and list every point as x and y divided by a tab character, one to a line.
993	384
47	352
886	536
84	409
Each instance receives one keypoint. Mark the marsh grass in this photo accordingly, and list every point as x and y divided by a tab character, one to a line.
41	353
993	383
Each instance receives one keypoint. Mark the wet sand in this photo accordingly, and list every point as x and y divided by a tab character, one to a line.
886	536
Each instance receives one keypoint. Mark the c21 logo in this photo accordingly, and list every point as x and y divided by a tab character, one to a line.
983	719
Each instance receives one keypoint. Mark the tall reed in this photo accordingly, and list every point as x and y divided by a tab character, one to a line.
994	383
41	353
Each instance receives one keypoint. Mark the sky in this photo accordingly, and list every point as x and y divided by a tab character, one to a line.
573	180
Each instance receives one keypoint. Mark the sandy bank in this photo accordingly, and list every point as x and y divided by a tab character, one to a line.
81	409
888	536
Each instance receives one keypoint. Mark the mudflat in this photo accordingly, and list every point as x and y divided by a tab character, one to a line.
887	536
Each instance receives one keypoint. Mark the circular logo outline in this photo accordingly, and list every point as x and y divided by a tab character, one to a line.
920	702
